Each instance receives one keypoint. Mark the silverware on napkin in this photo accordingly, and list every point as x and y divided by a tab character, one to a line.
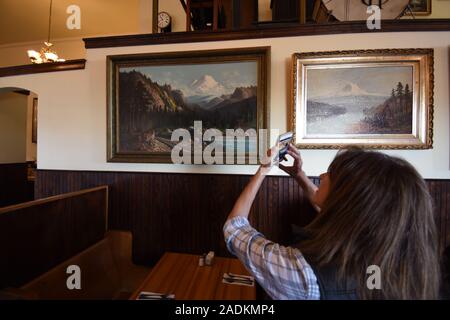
155	296
238	279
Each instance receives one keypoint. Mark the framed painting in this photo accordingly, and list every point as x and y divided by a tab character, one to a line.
370	98
151	95
420	7
34	121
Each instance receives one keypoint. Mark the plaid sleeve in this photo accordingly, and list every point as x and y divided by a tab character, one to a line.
282	271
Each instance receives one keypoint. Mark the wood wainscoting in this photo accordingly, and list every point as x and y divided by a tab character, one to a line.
186	212
37	235
13	184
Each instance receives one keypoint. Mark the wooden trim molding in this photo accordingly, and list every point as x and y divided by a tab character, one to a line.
267	32
53	199
44	67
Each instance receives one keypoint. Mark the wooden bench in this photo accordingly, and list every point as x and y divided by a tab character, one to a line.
38	235
107	272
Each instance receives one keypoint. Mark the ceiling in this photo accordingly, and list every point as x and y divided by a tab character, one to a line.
27	20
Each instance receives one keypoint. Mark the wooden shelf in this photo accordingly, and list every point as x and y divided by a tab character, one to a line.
267	32
44	67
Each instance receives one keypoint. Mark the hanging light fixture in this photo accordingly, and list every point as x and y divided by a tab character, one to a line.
46	54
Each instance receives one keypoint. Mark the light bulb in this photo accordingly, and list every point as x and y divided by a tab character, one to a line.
51	56
33	54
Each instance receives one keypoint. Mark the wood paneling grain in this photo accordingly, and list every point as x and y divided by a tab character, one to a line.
13	184
186	212
37	235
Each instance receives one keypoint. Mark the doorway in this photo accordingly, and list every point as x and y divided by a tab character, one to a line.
18	145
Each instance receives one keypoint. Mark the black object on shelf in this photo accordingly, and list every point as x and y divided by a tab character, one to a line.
202	14
290	11
285	10
220	14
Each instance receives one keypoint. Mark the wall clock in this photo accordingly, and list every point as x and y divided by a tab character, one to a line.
164	22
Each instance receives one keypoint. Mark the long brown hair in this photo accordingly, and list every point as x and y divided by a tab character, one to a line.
378	212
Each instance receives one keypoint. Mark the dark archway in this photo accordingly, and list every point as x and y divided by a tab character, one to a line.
18	145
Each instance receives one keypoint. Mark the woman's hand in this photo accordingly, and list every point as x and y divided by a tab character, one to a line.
296	169
269	161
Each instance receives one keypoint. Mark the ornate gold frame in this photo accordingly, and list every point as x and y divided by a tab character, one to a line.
422	61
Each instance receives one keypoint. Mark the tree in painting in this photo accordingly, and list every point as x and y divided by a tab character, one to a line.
394	115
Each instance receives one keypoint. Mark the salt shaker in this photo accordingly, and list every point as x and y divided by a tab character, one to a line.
201	261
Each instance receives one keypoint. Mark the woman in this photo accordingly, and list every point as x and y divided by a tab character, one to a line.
373	210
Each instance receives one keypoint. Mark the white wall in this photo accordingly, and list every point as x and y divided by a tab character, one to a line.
13	125
72	105
146	16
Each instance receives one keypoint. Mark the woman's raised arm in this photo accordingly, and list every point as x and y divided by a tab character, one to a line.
296	171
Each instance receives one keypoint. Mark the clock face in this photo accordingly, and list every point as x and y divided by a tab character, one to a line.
163	20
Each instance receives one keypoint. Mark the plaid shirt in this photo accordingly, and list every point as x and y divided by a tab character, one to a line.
282	271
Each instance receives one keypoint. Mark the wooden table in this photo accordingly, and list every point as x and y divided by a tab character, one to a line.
180	274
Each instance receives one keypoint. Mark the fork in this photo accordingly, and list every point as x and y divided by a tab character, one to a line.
237	280
156	296
237	276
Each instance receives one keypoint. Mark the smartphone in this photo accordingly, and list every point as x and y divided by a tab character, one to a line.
283	144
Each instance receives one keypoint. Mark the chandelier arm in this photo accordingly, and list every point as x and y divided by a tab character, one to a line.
50	21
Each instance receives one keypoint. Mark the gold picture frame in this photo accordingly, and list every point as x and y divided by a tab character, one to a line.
381	99
151	74
34	121
420	7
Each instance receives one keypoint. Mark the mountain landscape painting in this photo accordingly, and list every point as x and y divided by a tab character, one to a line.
359	101
377	99
155	100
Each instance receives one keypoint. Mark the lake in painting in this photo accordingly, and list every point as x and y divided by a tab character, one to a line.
155	100
359	100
